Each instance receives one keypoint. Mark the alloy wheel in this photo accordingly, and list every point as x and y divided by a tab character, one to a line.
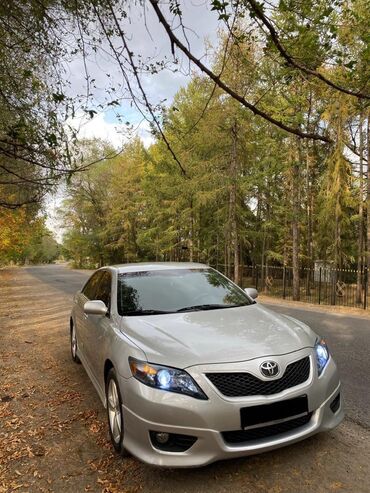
114	411
73	342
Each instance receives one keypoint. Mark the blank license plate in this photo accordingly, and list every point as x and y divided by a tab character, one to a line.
270	412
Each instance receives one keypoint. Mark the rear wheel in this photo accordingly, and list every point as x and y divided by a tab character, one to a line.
114	412
75	358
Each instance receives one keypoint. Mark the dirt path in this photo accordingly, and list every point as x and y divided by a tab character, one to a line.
53	435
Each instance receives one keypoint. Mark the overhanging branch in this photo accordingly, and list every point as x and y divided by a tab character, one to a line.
176	41
257	10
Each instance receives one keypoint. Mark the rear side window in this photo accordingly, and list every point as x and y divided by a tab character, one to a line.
104	289
91	287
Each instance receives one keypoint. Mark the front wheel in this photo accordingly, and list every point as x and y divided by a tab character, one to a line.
75	358
114	411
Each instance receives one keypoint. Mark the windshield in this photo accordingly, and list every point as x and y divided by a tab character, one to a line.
176	290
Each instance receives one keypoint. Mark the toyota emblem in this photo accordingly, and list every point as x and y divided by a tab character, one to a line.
269	368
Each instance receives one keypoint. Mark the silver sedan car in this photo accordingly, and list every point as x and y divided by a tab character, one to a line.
192	370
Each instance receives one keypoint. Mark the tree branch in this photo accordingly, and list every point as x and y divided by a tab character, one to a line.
36	199
257	10
143	93
173	39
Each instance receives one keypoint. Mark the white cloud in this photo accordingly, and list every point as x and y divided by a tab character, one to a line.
115	133
147	38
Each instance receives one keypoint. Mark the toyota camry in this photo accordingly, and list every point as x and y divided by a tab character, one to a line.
191	369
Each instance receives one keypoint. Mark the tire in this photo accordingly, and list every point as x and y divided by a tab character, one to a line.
73	338
114	412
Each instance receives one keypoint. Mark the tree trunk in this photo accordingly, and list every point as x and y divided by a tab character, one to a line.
368	198
232	205
191	241
338	240
263	277
226	269
309	213
295	227
360	239
309	201
217	247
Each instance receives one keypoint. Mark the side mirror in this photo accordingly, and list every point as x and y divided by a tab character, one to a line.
95	307
252	293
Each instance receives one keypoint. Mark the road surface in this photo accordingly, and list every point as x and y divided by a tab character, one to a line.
53	435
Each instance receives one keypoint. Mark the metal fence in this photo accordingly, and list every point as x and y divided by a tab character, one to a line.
323	286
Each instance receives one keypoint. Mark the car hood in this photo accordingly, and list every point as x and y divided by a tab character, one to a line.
216	336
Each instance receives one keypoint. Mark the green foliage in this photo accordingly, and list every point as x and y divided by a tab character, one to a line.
246	181
248	184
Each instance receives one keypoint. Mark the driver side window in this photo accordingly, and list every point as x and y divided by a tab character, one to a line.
104	289
91	287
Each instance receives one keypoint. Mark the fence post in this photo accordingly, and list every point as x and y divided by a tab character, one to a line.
365	286
320	286
284	282
257	277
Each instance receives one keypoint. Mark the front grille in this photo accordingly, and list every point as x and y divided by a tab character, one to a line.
240	436
244	384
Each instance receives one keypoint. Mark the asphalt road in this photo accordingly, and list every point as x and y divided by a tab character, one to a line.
348	337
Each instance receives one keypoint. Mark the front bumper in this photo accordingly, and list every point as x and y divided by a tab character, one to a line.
146	409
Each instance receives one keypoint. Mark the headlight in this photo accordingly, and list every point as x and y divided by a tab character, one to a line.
322	355
165	378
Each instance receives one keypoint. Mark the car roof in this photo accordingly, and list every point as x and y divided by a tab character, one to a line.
151	266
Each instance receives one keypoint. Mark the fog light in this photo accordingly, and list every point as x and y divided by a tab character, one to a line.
171	442
162	438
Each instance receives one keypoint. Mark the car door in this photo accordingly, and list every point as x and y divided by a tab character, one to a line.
88	293
98	328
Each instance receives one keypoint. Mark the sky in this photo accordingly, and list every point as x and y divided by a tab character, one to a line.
147	38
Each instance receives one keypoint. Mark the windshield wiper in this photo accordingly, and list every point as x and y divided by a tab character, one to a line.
145	312
208	306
